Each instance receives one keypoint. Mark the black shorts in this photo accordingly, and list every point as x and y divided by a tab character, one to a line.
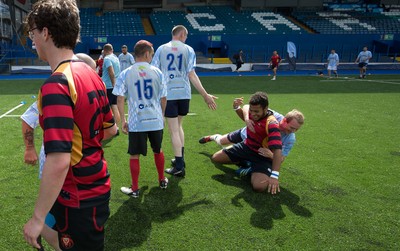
177	108
112	99
235	136
138	142
273	66
239	152
362	64
80	228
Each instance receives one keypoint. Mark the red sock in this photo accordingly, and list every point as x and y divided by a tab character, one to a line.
160	161
135	170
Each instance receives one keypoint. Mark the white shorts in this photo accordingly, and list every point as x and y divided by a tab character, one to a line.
332	67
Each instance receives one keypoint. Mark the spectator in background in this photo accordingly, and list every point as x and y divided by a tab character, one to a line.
333	62
125	58
238	57
111	70
363	59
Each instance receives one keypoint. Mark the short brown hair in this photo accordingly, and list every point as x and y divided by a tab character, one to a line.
108	48
141	47
60	17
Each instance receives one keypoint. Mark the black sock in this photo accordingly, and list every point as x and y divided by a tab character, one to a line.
179	164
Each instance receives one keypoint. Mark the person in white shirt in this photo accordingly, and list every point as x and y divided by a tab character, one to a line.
125	58
333	62
363	59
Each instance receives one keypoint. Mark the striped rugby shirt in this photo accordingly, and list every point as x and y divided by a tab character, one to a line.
267	134
73	111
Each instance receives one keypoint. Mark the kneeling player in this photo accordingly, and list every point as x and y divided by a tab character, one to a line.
266	134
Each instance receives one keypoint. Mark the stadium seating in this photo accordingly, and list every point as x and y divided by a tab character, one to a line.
123	23
350	22
223	20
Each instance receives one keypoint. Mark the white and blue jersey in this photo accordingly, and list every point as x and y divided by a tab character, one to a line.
31	117
125	60
144	86
176	59
333	59
110	60
364	56
288	140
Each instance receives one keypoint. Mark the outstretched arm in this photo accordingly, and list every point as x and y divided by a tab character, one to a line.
208	98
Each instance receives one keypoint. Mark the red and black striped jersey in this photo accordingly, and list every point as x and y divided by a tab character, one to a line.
267	134
73	112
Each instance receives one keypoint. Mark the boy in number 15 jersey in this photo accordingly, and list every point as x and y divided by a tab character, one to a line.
146	92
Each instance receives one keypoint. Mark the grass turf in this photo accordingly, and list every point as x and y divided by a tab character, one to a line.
339	185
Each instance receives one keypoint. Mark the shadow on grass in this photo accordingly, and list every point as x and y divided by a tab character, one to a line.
131	225
268	207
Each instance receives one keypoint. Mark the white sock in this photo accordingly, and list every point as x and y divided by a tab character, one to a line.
217	138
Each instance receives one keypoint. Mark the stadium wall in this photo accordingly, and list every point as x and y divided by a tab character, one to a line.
258	48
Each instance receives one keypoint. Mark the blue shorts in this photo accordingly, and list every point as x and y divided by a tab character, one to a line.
239	152
175	108
138	142
235	136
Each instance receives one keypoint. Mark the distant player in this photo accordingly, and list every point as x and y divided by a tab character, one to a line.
144	86
333	62
363	59
125	58
274	63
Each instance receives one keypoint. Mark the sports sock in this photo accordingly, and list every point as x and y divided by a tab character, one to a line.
135	170
179	164
159	160
183	152
217	139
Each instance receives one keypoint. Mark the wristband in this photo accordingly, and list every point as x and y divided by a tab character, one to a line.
237	108
275	174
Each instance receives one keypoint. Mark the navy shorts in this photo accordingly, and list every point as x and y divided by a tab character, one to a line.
138	142
235	136
177	108
362	64
112	99
239	152
81	228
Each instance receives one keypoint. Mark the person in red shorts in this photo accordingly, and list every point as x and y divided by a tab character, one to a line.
274	63
265	133
75	116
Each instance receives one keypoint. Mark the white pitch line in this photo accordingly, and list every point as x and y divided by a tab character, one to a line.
363	80
12	116
11	110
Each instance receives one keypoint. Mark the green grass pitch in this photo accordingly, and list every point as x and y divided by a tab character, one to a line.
339	185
